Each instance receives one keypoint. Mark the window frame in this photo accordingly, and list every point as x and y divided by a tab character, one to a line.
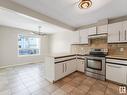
28	55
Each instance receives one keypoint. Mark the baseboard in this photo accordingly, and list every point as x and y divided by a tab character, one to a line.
13	65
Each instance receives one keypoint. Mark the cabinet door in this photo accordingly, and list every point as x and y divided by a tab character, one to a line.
124	34
80	65
70	66
114	31
59	70
76	37
92	31
116	73
84	36
102	29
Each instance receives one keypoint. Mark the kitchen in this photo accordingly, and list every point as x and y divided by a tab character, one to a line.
45	50
101	55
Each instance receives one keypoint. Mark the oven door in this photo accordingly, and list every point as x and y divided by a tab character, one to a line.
95	65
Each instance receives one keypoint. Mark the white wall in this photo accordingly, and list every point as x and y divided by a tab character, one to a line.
9	47
61	42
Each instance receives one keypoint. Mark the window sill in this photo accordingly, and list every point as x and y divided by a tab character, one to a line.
28	55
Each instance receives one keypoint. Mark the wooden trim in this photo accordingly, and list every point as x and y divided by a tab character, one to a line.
98	34
116	58
64	60
80	55
81	58
117	42
80	44
65	56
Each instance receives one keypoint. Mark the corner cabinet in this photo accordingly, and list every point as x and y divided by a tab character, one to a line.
76	37
84	36
81	65
85	33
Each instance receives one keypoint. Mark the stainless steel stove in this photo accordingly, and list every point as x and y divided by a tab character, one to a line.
95	63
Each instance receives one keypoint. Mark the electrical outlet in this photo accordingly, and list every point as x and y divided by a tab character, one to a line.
82	48
121	49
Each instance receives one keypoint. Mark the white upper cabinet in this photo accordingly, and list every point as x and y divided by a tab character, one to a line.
84	36
124	31
76	37
117	32
102	29
92	31
85	33
114	31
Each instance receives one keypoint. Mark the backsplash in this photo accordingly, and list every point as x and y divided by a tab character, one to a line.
80	49
98	43
85	48
113	49
118	49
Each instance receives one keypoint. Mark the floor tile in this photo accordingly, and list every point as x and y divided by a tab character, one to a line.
67	88
77	91
59	92
30	80
50	88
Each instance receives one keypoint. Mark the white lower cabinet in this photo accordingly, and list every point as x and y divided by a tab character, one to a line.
64	68
116	73
80	65
59	70
71	66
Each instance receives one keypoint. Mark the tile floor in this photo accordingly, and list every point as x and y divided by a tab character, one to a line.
29	80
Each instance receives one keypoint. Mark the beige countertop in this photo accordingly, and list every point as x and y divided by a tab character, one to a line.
60	54
63	54
117	56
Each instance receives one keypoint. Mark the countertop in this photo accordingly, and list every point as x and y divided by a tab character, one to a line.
121	57
56	55
60	54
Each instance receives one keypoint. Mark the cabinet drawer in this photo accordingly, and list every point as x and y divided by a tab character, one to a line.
124	62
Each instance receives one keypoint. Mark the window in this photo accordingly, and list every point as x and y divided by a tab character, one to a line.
28	45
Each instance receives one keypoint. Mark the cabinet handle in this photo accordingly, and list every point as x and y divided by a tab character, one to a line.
126	77
119	35
125	34
63	68
66	66
114	66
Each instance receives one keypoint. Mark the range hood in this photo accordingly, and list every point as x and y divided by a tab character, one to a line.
104	35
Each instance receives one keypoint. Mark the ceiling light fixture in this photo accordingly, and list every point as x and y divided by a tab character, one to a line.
84	4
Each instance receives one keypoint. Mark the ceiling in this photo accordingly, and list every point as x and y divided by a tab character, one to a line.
14	19
67	11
